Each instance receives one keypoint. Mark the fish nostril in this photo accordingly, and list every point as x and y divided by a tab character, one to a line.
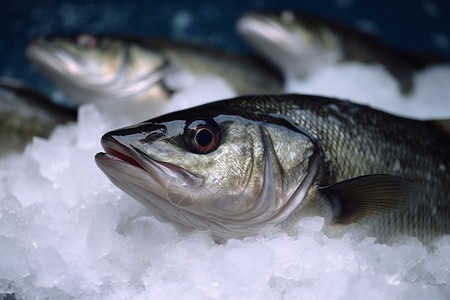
152	137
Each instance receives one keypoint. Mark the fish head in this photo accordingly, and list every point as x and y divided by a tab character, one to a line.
91	68
213	167
292	42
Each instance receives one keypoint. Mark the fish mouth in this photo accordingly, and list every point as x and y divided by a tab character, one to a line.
123	157
129	175
132	156
163	179
152	183
261	29
50	58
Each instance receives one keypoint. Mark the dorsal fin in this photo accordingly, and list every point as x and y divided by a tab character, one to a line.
371	195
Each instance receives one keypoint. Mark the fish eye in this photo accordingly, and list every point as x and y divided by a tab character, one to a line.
288	16
202	136
87	41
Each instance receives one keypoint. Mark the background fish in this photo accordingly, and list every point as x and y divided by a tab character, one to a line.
25	113
237	165
102	68
299	44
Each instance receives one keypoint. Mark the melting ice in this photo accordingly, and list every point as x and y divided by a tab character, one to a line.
67	232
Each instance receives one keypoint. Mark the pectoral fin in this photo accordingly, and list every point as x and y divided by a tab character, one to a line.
371	195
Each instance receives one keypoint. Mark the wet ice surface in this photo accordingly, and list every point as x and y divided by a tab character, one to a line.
67	232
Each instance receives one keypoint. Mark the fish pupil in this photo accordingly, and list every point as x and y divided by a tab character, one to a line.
204	137
87	41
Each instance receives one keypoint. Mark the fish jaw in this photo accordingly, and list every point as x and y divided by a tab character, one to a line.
262	31
50	59
164	179
143	183
139	184
160	187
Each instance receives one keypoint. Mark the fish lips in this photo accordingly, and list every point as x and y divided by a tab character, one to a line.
50	58
263	31
127	166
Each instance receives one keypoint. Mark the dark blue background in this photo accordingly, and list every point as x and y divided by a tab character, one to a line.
418	26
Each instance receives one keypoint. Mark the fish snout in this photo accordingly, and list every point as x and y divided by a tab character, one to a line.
146	132
36	45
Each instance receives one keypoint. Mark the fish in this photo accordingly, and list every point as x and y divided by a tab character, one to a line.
99	68
300	44
234	166
25	113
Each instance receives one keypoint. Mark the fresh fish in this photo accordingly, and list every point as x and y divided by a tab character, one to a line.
299	44
100	68
234	166
25	113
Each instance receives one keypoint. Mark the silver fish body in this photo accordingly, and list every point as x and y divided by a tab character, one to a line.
25	113
104	68
300	44
235	166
